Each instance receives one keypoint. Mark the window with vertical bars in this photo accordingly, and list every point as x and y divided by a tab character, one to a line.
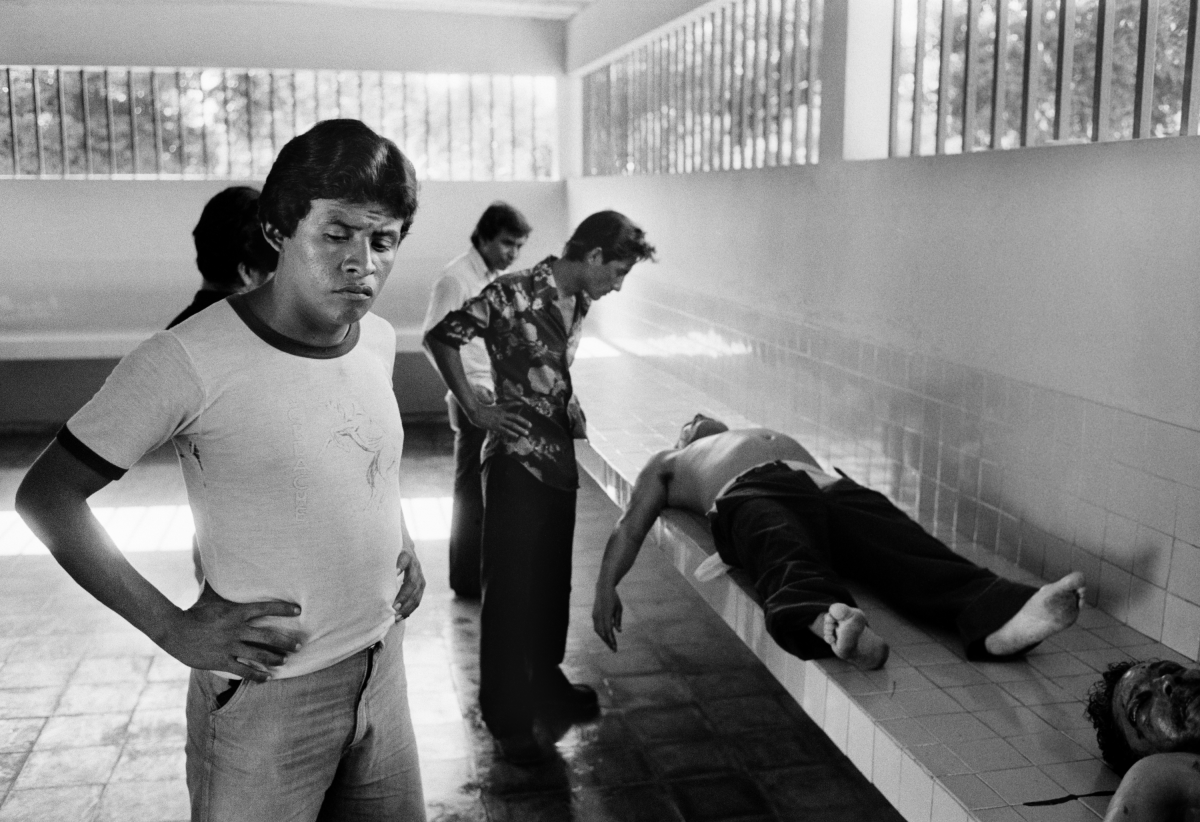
734	88
211	123
991	74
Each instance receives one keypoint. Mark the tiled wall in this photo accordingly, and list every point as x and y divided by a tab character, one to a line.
1051	481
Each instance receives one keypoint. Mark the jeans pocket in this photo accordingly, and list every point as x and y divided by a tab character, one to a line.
223	694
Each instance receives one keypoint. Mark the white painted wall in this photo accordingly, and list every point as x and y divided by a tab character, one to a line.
94	258
1071	267
195	33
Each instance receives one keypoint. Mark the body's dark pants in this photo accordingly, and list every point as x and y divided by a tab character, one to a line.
797	541
528	530
466	520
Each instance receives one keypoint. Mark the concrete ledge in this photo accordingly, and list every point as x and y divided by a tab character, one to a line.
112	345
941	738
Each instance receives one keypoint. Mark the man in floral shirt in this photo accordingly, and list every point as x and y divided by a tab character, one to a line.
530	322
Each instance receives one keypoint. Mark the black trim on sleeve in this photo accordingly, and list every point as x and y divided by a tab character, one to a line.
286	344
77	449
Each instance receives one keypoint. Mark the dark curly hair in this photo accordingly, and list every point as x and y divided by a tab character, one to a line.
1099	709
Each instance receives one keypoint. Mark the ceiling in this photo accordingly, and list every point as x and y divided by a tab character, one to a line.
543	9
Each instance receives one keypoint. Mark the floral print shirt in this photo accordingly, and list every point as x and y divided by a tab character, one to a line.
531	348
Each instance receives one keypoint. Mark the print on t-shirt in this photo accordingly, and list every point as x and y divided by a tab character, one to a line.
357	430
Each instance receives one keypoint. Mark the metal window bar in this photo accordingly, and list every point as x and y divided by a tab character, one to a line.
1031	82
800	69
156	122
919	79
1191	82
780	49
943	98
133	147
12	120
37	121
179	123
969	79
812	150
749	23
761	80
62	119
228	124
999	72
111	128
87	132
1143	97
897	52
1105	17
1066	69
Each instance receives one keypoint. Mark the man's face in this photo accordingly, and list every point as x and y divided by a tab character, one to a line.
333	267
602	278
501	251
1157	707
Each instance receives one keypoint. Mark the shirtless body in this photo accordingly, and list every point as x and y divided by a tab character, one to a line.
707	459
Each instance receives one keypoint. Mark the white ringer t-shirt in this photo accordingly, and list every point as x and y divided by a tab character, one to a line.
291	456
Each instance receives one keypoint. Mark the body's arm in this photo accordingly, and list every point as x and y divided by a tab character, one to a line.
497	417
214	634
649	498
1160	788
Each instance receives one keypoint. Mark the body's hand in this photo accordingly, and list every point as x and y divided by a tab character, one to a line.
218	635
412	588
606	614
500	418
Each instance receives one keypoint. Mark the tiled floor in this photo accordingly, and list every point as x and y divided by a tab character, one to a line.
694	727
942	738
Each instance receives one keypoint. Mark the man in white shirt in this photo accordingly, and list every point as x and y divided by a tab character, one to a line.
495	245
280	406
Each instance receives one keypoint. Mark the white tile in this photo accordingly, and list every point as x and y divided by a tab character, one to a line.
1181	626
860	740
815	683
885	767
1146	603
1184	581
837	715
915	801
946	808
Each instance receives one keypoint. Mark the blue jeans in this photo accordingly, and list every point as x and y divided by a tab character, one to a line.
336	744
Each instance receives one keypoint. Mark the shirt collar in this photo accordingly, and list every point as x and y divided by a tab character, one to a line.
479	265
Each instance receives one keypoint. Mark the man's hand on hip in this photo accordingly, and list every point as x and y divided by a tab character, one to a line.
216	634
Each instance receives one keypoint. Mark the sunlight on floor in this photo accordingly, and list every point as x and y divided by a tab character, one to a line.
141	528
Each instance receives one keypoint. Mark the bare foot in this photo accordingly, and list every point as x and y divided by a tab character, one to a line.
1052	609
846	630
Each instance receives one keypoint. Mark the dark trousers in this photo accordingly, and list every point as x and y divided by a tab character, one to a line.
466	520
797	541
528	530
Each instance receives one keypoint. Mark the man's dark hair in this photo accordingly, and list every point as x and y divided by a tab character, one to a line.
337	160
1113	745
497	217
229	233
614	234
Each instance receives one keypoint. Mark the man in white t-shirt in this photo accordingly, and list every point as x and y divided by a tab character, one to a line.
279	403
495	245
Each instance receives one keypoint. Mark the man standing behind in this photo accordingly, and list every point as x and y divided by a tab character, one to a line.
495	245
279	403
231	252
531	322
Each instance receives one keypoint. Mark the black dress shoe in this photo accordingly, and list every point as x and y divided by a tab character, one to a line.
574	703
520	749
